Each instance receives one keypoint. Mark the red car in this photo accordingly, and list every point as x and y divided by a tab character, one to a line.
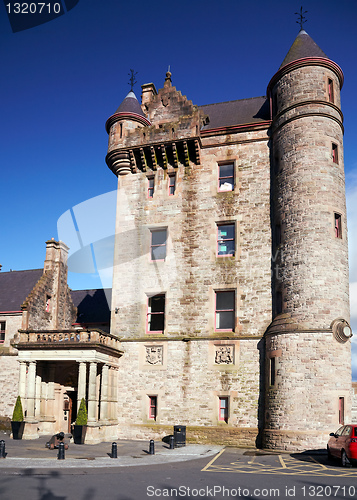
343	444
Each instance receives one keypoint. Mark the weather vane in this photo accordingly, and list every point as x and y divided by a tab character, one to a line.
132	80
302	19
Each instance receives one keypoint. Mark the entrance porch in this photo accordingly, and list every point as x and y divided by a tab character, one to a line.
57	370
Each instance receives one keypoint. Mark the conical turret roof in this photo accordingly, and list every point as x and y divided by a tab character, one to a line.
303	47
129	109
130	105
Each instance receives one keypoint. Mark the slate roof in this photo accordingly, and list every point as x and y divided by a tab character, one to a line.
130	105
303	46
244	111
93	305
15	286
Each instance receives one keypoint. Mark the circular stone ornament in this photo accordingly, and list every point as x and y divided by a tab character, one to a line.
341	330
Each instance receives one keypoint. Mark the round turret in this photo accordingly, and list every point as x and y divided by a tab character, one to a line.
129	116
308	350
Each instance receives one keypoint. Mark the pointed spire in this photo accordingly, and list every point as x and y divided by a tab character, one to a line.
303	47
130	105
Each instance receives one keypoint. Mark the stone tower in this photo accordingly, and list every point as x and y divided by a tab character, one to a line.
308	373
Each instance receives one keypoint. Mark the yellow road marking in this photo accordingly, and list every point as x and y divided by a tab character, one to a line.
213	460
252	461
316	461
282	462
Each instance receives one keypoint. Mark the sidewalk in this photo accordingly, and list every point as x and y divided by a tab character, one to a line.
33	454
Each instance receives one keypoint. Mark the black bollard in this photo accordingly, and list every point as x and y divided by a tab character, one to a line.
60	455
114	450
152	447
2	449
172	442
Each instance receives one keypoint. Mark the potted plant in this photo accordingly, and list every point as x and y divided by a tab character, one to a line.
80	427
17	422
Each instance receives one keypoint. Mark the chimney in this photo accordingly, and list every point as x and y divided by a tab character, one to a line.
147	95
56	252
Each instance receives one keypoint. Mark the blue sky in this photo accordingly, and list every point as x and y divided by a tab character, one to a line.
62	80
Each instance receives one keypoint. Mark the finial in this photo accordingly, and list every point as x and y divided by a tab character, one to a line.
302	19
132	80
168	78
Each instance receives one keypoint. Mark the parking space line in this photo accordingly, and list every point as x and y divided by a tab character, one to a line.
213	460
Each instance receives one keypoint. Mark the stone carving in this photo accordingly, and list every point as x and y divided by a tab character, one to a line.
154	355
224	355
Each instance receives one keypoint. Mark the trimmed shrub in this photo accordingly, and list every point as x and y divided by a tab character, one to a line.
18	415
82	416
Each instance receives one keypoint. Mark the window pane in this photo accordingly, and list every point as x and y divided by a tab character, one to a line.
226	231
226	170
156	322
224	403
158	253
226	248
225	320
224	300
157	303
158	237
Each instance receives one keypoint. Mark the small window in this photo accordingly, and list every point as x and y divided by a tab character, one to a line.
226	177
48	303
223	409
225	311
153	407
158	244
226	239
335	153
341	411
2	331
156	313
151	187
338	226
172	184
331	96
272	371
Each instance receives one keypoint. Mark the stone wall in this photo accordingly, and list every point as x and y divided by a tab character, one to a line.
9	381
188	378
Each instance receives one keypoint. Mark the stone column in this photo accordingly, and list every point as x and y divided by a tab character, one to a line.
51	392
92	393
82	381
38	395
104	393
110	394
115	394
31	391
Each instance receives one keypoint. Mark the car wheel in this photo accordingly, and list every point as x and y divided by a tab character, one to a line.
344	459
329	456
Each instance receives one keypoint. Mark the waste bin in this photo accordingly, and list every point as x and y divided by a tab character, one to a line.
179	435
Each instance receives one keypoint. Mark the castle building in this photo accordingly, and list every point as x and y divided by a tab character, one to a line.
230	297
230	289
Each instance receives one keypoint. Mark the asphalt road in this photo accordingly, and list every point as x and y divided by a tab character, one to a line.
232	473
